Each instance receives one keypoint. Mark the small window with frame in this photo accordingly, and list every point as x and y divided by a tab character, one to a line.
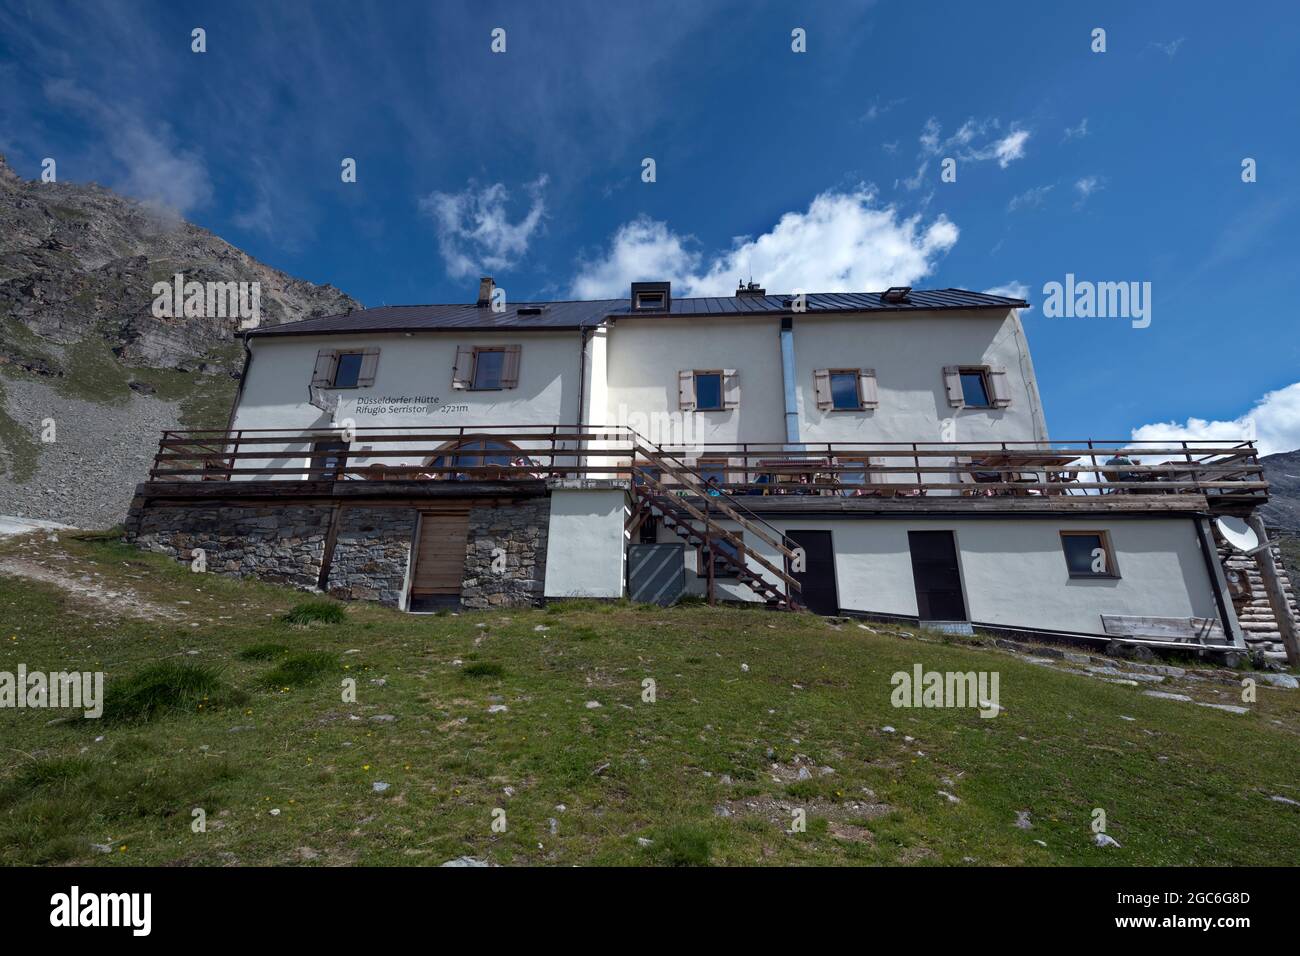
846	393
708	391
650	301
1088	554
347	370
489	367
713	470
976	391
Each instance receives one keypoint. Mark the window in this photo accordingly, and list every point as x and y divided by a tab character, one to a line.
722	551
650	301
712	469
858	475
845	389
976	386
347	371
477	453
708	391
1088	554
648	533
486	368
326	458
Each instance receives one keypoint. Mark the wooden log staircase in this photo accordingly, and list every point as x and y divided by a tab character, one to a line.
668	489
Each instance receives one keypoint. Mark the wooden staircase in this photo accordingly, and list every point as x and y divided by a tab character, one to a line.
696	518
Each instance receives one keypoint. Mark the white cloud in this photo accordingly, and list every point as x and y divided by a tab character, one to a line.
1076	132
156	169
1274	423
1014	289
974	141
1011	147
1030	198
474	227
1086	186
844	242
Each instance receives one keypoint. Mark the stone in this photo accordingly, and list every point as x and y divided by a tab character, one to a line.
1230	708
1022	820
1103	839
1165	695
379	786
1279	680
466	861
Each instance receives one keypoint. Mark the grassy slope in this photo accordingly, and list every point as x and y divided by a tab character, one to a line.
1059	750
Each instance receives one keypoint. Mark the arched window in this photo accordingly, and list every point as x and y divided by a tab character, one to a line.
476	453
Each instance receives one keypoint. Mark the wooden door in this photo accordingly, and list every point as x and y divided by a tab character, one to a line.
439	558
817	591
937	575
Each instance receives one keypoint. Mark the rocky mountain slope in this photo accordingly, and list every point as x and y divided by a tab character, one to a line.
79	345
1283	473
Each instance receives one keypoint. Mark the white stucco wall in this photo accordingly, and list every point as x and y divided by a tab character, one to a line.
1013	570
908	352
585	543
419	366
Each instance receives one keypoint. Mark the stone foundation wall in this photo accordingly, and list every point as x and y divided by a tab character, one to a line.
281	545
372	554
520	530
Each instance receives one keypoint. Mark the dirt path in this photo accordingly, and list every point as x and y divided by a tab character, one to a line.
92	597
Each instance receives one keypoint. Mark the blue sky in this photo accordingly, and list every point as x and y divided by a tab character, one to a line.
816	170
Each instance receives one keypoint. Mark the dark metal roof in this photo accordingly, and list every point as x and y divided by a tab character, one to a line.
575	315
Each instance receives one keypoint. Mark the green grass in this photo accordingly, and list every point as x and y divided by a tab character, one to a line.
483	669
691	772
316	612
298	670
265	651
167	686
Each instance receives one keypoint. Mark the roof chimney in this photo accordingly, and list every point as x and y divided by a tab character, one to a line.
751	289
485	287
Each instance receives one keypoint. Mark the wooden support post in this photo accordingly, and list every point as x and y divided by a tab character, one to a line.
1286	620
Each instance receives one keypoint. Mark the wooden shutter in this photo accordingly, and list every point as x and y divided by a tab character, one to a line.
867	390
369	363
1000	386
730	388
822	381
327	361
510	366
952	382
462	373
686	390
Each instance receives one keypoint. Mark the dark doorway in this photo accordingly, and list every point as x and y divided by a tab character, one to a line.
817	580
937	575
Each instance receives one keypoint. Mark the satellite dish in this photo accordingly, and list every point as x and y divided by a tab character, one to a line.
1239	535
323	399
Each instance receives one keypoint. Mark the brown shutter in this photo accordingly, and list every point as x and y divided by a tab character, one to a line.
730	388
867	388
686	390
822	381
369	363
952	382
1000	385
326	361
510	366
462	373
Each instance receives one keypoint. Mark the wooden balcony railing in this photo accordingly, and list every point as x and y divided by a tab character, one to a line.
1215	469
